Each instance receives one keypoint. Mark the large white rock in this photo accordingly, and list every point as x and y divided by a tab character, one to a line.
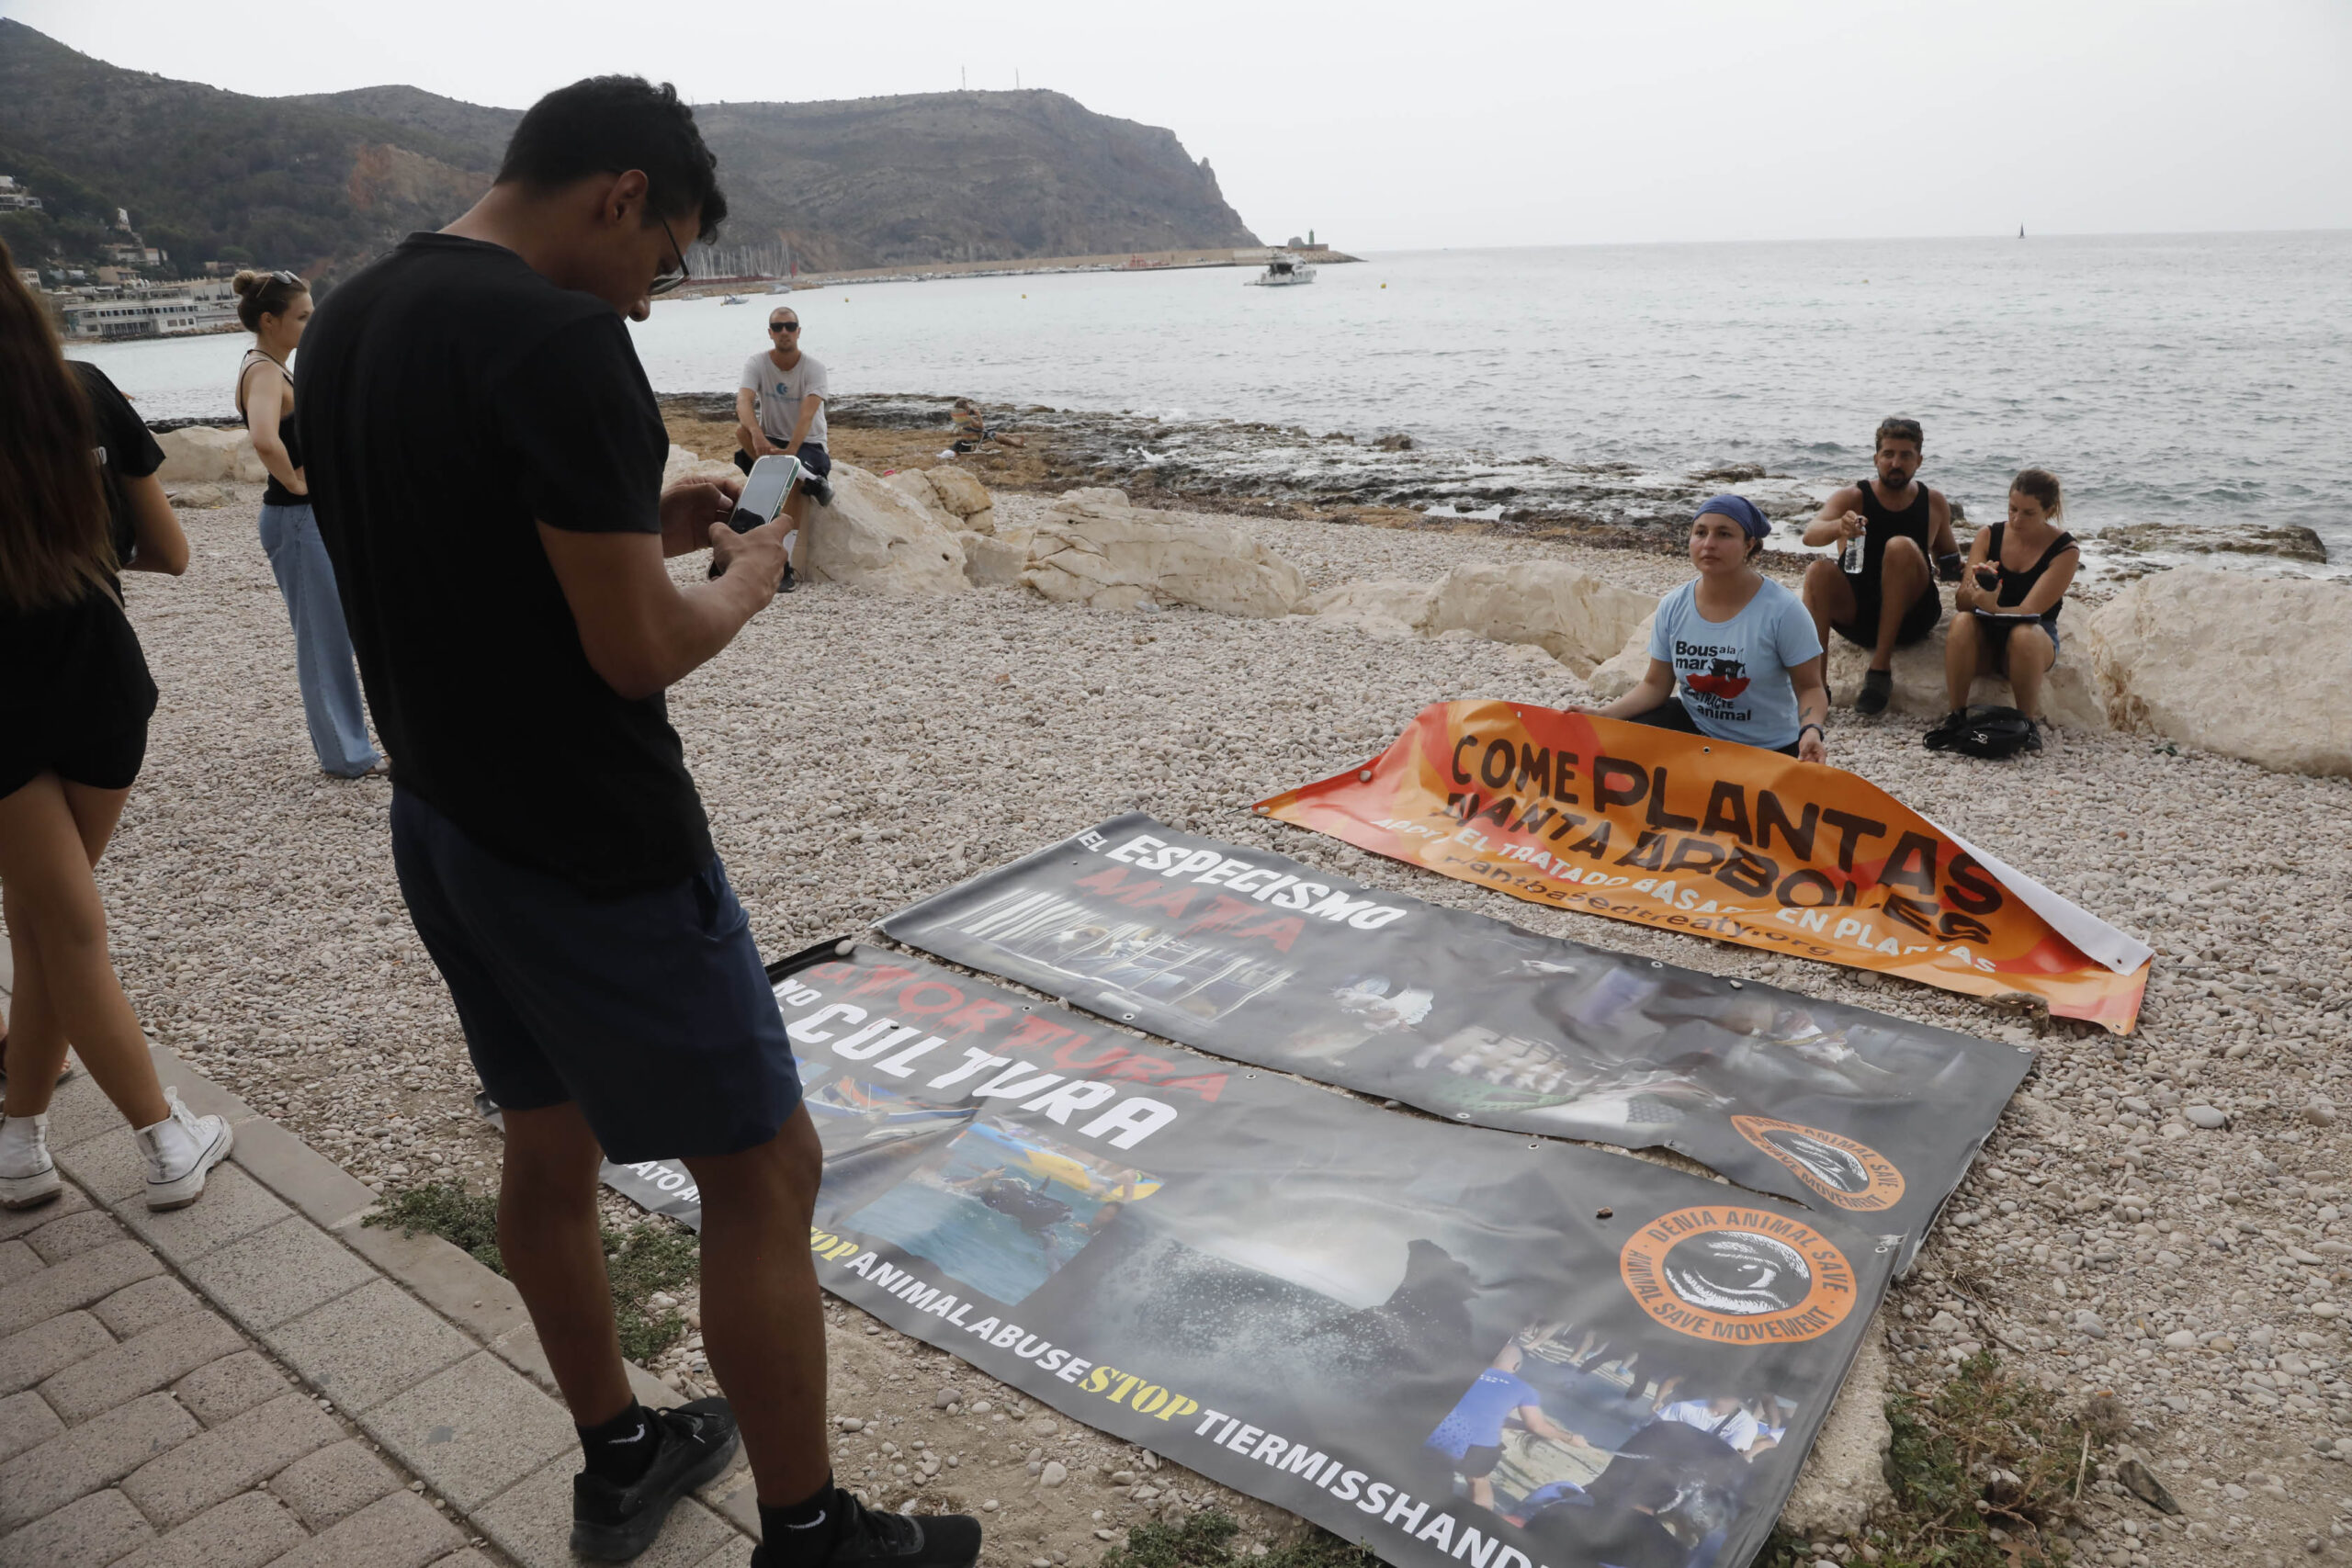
1121	559
1385	607
958	491
1094	501
2251	667
990	561
202	453
2069	697
915	485
1623	670
681	465
1576	618
873	536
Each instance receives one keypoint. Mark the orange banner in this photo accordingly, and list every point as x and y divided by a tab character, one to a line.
1721	841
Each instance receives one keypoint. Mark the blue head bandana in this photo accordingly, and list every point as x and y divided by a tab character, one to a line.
1741	510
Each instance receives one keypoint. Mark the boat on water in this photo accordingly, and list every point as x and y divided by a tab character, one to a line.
735	300
1282	272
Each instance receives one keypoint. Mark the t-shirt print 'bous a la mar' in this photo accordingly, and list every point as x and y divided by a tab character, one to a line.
1733	676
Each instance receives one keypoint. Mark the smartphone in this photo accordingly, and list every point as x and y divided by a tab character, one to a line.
764	492
1988	576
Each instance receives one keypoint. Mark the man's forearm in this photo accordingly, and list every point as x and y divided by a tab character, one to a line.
700	621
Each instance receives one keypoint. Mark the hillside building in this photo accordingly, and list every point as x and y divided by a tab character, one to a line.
15	198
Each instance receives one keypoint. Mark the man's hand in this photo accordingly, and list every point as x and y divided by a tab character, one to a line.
756	557
1852	526
691	507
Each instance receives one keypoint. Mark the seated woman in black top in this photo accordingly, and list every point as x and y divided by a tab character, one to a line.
2017	574
74	699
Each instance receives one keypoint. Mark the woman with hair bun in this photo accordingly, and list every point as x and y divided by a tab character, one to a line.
274	306
2017	575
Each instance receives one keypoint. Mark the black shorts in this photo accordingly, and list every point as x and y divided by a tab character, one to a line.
651	1010
1476	1464
1997	637
1672	715
813	457
111	762
1918	621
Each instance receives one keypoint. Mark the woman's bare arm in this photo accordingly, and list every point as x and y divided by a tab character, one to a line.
265	406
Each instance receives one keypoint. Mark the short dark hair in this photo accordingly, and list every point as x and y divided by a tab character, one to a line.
607	125
1898	427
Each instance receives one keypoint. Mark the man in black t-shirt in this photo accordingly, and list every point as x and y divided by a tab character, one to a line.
485	460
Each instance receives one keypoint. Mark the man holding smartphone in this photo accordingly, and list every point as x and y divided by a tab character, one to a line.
485	459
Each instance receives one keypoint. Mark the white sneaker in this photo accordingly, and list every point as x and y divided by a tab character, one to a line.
179	1150
28	1176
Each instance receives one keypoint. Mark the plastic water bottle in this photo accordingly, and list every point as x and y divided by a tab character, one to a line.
1849	560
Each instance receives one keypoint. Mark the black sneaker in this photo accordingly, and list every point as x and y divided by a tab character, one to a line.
1877	686
867	1538
613	1524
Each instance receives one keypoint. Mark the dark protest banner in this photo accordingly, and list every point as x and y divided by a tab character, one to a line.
1459	1347
1262	959
1720	841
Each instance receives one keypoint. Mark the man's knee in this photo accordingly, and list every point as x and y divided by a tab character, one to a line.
1904	560
1826	586
782	1173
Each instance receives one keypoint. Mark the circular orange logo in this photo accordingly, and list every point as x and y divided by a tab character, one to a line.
1851	1175
1738	1276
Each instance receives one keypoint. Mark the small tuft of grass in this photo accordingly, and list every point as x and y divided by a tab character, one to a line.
1202	1542
1986	1452
638	1261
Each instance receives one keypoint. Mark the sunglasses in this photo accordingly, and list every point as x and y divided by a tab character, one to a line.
784	326
669	280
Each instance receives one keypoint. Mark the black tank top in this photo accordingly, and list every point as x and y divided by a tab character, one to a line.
274	494
2015	585
1912	523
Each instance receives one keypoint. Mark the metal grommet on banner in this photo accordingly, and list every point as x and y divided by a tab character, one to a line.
1657	963
1129	1016
1462	1116
1363	775
1739	985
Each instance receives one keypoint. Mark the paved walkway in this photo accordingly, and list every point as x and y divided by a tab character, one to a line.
260	1380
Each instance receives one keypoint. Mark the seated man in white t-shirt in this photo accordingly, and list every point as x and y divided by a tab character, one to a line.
1724	1416
780	406
1740	648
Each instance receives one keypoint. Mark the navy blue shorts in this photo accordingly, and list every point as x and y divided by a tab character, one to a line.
813	457
651	1010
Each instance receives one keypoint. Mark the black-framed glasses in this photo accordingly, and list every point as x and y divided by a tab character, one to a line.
784	326
668	281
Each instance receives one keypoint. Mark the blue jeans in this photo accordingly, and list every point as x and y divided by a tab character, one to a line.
322	662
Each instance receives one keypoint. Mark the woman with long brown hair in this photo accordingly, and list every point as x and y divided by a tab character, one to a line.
74	700
274	306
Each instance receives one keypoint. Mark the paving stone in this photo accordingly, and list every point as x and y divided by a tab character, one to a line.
234	1206
79	1109
135	1308
16	1260
447	1277
243	1532
362	1348
14	1222
278	1274
313	1184
531	1522
87	1533
26	1420
80	1460
402	1530
332	1484
108	1166
229	1387
76	1283
468	1558
474	1430
141	1364
50	1347
230	1456
737	1554
70	1233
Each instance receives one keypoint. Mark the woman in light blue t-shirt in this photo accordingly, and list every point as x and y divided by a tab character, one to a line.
1733	655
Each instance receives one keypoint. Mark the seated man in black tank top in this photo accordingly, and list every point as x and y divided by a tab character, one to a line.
1892	601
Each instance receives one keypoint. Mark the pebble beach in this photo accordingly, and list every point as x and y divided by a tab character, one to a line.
2164	1218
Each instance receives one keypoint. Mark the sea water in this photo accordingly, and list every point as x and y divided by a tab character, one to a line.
2201	380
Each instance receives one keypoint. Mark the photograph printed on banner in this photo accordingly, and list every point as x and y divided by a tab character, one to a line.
1606	1446
1154	965
1000	1207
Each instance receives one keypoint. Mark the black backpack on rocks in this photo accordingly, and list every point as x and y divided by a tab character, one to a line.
1985	730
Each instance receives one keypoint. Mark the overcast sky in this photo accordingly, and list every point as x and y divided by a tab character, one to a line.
1387	125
